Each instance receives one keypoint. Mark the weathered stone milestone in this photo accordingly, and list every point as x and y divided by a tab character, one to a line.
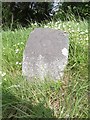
45	54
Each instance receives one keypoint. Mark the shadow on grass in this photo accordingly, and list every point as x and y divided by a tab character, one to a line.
14	108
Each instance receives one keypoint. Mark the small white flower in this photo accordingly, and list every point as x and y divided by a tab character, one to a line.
3	74
35	23
45	26
61	111
67	115
17	63
82	33
62	94
86	38
77	23
20	63
17	50
22	43
78	29
72	30
86	31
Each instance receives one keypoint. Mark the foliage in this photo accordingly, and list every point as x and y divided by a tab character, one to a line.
24	12
72	10
6	15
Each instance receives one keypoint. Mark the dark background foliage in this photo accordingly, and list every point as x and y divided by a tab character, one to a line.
23	13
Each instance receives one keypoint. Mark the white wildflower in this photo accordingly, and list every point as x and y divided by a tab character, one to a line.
61	111
17	63
3	74
35	23
62	94
22	43
86	38
77	23
78	29
82	33
20	63
69	29
18	44
72	30
45	26
17	50
67	115
86	31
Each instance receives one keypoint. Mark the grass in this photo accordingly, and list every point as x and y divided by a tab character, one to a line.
62	99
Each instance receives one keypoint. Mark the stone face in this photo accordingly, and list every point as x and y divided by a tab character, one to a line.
46	53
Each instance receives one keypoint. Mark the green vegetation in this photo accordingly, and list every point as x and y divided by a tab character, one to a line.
23	13
60	99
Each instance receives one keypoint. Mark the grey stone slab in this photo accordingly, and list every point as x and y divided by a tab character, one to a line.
45	54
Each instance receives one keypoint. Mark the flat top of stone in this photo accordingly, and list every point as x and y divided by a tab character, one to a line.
47	42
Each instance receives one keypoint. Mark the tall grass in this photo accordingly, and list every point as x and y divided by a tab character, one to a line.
60	99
